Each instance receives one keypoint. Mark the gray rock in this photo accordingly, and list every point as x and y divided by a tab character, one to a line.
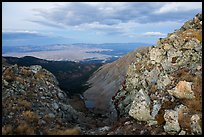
102	129
64	107
11	113
140	108
5	83
41	122
42	97
35	68
172	125
60	95
195	126
156	108
182	132
152	76
163	81
55	106
51	115
156	55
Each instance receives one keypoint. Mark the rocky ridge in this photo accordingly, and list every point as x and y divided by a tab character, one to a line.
163	87
32	103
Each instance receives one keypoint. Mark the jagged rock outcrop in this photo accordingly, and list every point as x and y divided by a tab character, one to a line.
32	103
106	81
170	74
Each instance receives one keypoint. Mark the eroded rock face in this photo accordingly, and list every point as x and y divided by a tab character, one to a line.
170	73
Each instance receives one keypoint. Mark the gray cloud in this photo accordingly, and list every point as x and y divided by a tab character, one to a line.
73	14
114	18
53	24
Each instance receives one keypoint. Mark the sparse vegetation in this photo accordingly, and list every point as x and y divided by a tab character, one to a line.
69	131
24	129
30	116
7	130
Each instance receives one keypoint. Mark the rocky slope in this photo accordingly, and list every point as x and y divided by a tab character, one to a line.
33	104
105	82
163	87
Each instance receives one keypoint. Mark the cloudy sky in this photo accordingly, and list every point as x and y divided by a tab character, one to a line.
95	22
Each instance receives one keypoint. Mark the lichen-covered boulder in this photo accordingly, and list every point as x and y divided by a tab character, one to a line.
196	124
172	125
140	108
182	90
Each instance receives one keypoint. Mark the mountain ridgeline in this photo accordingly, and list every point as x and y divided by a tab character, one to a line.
154	90
72	76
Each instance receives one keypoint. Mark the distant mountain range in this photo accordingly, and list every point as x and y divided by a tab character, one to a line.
106	52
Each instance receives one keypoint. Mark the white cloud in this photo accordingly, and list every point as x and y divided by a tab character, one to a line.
19	31
179	7
153	34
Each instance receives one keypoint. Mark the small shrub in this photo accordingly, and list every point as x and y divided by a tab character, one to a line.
24	103
30	116
160	117
70	131
40	75
7	130
184	121
26	72
19	79
25	129
9	74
